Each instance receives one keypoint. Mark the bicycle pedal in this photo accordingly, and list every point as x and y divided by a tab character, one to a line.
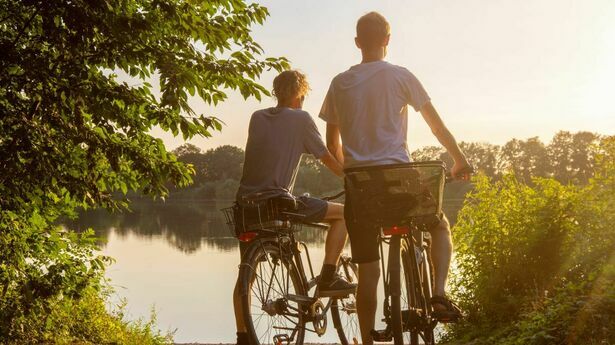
281	339
381	335
300	299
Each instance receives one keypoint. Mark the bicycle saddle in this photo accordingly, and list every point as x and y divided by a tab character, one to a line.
284	203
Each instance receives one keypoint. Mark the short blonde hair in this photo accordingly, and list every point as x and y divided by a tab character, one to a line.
290	84
372	28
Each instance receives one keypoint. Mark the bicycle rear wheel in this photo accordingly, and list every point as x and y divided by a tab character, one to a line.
394	270
417	280
270	281
344	310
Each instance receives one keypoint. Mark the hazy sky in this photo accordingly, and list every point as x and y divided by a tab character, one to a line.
495	70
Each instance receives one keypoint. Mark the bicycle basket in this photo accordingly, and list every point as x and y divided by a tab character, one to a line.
391	194
266	215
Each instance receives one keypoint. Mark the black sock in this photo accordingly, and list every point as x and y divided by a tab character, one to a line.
242	338
328	272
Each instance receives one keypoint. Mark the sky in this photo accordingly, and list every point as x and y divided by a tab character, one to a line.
495	70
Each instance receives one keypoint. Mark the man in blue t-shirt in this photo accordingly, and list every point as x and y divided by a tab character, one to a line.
277	138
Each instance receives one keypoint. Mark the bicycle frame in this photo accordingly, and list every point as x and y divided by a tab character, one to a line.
415	241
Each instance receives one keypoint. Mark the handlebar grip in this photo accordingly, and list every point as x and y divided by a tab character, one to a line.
469	170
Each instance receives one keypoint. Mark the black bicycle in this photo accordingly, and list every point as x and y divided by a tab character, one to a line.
279	302
404	201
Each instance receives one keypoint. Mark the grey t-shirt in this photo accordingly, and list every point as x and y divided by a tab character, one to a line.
277	138
369	103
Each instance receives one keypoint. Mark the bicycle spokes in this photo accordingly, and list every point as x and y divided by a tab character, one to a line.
344	310
276	317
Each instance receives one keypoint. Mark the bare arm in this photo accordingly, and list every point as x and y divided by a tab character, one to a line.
334	143
444	137
330	162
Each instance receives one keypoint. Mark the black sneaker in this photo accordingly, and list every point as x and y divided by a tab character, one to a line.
336	287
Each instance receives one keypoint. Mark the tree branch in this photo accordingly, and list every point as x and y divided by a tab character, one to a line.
23	29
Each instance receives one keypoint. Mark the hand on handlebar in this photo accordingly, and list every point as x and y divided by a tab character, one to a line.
462	170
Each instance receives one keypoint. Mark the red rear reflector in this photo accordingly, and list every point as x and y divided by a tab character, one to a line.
395	230
247	236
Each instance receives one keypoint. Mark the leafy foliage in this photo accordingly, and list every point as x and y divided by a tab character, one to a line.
535	264
72	132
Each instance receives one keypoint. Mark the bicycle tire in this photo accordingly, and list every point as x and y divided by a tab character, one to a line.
415	274
345	308
271	292
394	270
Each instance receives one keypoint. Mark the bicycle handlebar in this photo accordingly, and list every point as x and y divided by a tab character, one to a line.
333	197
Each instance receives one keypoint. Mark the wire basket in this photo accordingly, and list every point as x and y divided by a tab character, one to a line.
268	215
393	194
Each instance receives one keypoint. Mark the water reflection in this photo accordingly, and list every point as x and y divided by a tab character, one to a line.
186	226
180	258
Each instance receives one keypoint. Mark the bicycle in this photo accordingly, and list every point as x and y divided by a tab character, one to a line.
274	284
404	201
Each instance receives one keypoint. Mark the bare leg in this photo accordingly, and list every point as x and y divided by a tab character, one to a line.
337	234
441	252
241	327
367	299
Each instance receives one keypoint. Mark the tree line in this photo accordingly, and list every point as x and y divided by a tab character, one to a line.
568	157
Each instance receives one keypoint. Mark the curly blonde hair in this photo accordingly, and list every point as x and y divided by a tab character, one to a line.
290	84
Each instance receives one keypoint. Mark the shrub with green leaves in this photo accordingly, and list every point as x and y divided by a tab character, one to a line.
72	133
536	265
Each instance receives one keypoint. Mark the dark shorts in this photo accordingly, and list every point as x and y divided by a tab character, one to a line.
364	238
313	209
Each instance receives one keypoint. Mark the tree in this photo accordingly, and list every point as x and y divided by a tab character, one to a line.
584	150
427	153
186	149
72	133
223	162
526	159
572	156
191	154
560	152
315	178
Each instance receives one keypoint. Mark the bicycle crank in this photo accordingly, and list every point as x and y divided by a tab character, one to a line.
319	317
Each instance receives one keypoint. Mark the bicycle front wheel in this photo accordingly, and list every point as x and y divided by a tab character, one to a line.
394	272
344	310
270	280
417	281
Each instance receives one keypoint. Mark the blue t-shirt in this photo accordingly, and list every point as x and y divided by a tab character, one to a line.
277	138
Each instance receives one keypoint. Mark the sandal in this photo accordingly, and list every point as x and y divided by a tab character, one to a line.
452	313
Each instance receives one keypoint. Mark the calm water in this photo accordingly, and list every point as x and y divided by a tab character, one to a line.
179	259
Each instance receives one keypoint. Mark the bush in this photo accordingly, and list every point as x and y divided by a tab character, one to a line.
53	291
535	264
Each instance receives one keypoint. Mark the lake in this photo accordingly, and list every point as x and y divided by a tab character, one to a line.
179	259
